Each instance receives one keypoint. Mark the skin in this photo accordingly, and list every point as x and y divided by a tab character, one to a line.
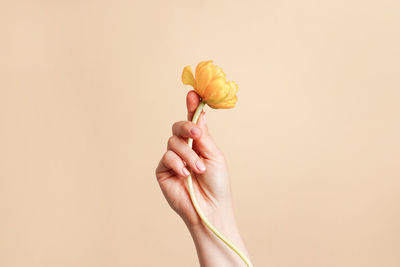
211	183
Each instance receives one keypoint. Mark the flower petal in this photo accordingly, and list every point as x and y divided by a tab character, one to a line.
201	65
210	83
187	77
216	89
203	76
217	72
226	98
225	104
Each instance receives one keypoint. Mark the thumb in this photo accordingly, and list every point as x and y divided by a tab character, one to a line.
205	145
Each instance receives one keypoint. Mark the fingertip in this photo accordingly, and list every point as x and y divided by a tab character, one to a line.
185	171
192	101
195	132
203	116
202	120
201	167
193	97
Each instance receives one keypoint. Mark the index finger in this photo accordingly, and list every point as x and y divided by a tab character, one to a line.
192	101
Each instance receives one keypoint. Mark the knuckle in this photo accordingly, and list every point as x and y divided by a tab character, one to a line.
171	140
183	128
175	126
167	155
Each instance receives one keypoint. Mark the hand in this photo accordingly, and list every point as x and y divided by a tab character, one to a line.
209	170
211	188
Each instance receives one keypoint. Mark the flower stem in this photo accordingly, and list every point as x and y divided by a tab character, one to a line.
196	204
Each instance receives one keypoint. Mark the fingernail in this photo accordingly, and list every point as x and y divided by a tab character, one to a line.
195	131
185	171
200	165
204	117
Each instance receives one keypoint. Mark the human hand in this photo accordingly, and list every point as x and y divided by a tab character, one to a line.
211	188
208	165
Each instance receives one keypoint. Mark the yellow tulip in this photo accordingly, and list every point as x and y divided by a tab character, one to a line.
211	85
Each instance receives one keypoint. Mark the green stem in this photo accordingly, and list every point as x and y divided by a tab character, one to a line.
196	204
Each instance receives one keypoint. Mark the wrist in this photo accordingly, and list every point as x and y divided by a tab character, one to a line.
210	249
223	220
220	214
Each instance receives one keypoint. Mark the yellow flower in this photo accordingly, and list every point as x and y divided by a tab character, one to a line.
211	85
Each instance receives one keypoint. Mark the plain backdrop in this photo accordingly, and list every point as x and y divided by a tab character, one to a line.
89	91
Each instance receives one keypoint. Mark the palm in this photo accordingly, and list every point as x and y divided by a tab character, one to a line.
175	190
209	186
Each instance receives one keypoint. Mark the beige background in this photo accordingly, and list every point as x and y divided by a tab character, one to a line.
89	90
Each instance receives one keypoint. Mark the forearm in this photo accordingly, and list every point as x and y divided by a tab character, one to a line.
211	250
